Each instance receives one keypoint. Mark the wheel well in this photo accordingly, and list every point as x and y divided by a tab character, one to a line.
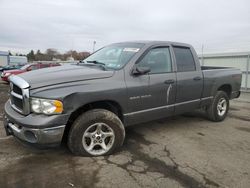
226	88
108	105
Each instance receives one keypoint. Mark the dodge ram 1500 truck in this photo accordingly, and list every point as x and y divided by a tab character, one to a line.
90	104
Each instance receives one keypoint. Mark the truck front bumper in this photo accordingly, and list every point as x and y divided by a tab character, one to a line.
34	129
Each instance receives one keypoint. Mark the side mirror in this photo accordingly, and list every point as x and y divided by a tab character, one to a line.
140	70
29	69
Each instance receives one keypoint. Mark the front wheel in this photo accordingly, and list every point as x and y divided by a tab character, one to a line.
96	132
218	110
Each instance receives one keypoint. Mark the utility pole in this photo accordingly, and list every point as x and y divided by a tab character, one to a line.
72	45
94	43
247	71
202	57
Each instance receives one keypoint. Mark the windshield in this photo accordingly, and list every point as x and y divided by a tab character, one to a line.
24	67
115	56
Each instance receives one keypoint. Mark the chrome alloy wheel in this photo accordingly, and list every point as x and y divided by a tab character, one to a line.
98	139
222	107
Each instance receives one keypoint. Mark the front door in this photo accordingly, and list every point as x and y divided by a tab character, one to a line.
155	100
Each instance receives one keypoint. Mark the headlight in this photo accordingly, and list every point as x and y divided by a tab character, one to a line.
46	106
7	74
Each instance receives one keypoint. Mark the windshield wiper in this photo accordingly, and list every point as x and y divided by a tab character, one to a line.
97	62
103	65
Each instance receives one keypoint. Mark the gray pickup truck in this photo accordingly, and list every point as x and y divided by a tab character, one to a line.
89	104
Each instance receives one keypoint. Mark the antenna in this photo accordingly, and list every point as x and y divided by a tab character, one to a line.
94	43
202	57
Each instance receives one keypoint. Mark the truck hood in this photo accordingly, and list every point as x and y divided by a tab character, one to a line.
63	74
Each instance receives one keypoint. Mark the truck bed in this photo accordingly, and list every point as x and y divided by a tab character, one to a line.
216	76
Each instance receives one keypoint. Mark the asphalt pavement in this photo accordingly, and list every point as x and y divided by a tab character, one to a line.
183	151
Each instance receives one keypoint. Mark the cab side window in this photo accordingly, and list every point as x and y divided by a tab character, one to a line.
33	67
158	60
184	59
44	66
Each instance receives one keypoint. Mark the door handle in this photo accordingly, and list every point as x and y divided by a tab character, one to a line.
197	78
171	81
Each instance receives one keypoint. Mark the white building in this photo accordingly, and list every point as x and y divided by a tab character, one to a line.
4	58
15	60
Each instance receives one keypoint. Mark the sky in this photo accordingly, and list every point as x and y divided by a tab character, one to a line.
217	25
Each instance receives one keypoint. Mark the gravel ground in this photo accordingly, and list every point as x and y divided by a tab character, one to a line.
183	151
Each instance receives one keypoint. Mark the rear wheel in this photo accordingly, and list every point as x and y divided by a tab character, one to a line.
96	132
218	110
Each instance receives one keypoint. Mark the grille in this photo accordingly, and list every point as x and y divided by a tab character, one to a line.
17	90
17	102
19	95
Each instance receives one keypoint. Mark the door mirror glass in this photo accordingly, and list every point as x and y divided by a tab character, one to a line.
140	70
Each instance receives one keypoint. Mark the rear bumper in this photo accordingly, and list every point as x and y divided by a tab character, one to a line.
33	128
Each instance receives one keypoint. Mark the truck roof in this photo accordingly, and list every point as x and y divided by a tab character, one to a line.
152	42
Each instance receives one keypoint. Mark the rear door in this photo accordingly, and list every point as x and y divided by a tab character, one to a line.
189	80
44	66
